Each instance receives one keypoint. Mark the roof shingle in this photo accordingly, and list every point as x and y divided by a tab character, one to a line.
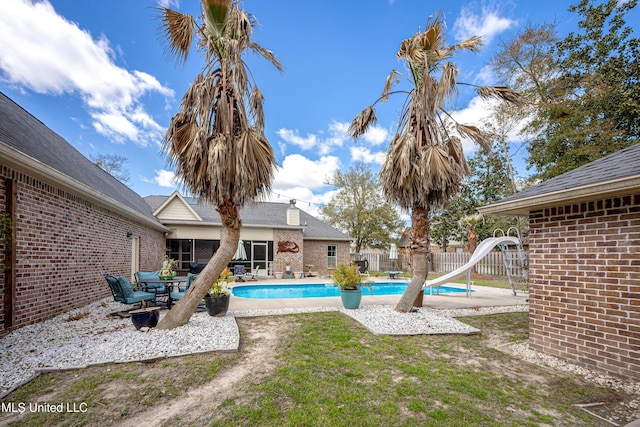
25	133
262	214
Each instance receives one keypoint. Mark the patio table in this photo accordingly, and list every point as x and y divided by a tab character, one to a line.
392	274
167	284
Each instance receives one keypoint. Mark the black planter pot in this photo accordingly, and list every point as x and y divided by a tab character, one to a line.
145	317
217	306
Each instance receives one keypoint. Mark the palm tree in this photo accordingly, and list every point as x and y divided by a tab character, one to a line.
425	163
216	141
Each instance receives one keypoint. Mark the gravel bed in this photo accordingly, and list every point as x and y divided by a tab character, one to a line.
384	320
99	337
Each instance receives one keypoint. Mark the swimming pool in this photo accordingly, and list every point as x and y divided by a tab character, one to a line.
322	290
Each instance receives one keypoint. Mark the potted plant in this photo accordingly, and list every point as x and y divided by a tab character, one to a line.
145	317
217	299
348	279
168	270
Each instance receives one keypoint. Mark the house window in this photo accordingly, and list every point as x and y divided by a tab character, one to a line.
180	250
332	256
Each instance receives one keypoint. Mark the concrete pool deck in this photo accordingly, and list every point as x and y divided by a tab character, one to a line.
483	296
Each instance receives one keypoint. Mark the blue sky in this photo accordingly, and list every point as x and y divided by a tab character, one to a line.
95	72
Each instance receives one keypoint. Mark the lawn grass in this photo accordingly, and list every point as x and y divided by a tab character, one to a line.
333	372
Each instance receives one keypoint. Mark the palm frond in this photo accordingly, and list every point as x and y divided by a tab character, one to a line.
456	152
475	134
447	86
256	107
392	79
361	123
177	32
503	93
472	44
268	55
215	14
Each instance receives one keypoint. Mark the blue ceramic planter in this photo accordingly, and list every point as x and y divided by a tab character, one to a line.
145	317
351	298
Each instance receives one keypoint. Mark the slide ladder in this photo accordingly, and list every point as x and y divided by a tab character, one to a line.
515	259
510	256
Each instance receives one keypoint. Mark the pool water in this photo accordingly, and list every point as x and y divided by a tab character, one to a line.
321	290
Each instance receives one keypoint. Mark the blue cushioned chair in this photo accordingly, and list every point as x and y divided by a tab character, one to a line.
149	281
176	296
123	291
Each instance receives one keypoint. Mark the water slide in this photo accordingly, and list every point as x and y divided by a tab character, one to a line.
481	251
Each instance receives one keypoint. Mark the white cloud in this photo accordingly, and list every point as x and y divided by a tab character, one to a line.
362	154
486	77
171	4
298	170
487	23
46	53
164	178
337	135
477	112
292	137
306	200
376	135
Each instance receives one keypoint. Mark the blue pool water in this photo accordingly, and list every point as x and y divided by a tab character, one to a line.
321	290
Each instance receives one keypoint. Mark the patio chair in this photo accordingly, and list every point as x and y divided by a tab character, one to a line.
123	291
253	274
239	272
363	268
177	295
149	281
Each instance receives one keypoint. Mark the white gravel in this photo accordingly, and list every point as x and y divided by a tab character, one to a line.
99	337
384	320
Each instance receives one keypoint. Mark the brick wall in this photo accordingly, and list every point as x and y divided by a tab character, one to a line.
585	284
315	253
281	259
65	246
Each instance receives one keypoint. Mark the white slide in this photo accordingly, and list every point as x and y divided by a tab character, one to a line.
481	251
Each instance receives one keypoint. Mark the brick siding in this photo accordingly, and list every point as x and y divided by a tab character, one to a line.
65	246
315	253
281	259
585	284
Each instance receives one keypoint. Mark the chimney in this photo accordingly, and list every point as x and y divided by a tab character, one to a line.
293	213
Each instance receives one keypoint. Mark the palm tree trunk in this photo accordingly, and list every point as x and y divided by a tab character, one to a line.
420	252
180	313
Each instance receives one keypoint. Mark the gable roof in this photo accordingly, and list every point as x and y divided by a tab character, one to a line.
259	214
617	174
176	206
28	145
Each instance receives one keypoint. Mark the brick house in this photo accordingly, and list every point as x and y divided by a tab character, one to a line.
584	279
73	223
273	234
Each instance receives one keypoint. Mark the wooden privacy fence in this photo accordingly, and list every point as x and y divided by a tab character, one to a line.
377	261
490	265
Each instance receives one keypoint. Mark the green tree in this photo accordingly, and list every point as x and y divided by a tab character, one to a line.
114	165
216	141
582	92
488	182
359	209
425	163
